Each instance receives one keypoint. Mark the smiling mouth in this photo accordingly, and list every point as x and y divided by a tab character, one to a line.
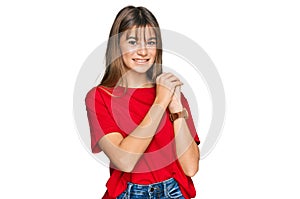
141	61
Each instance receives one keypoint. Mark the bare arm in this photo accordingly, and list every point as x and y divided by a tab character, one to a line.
187	150
125	152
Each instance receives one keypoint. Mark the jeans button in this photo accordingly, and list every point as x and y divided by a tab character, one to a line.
151	189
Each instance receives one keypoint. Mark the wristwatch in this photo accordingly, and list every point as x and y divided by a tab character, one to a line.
182	114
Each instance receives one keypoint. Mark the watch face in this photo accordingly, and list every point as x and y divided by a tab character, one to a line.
183	114
174	116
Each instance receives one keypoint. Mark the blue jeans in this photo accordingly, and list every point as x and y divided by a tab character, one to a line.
161	190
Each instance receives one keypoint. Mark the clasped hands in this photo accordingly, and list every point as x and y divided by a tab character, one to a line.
168	90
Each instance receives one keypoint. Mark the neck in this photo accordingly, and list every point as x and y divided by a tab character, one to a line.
137	80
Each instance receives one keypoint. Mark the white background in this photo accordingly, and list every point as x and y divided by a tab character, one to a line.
255	46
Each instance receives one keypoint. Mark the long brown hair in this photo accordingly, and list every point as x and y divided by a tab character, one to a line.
128	18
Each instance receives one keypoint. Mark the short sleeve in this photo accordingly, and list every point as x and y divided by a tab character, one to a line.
190	121
100	118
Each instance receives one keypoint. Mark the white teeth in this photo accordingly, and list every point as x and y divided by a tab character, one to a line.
140	60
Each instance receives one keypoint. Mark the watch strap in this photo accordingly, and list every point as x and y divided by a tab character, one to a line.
181	114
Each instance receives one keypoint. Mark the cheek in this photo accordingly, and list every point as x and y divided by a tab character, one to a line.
153	53
126	56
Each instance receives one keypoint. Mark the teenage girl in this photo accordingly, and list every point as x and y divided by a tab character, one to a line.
138	116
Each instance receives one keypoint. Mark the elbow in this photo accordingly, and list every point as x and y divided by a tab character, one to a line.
192	168
190	172
126	168
125	164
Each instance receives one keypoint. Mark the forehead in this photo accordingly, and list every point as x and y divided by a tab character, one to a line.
140	32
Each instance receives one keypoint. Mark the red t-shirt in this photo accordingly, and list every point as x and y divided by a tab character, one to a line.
107	114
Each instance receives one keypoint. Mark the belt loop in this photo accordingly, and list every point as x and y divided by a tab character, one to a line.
129	188
165	188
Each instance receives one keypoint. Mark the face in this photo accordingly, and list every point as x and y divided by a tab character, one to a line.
138	47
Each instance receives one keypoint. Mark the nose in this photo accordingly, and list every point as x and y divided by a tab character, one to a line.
142	50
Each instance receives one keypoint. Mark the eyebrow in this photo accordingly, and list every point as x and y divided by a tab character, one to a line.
132	37
152	38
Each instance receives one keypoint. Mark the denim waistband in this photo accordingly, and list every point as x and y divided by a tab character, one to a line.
168	188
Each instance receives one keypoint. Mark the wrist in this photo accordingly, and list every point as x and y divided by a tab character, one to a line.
162	102
180	114
176	109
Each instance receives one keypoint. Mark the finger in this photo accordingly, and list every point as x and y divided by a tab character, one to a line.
168	81
169	78
167	75
162	76
177	83
173	78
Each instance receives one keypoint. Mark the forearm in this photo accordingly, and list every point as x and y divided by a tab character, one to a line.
129	150
186	148
139	139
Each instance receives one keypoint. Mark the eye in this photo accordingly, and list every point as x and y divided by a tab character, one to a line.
132	42
151	43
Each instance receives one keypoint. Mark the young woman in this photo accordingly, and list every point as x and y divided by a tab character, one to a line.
138	116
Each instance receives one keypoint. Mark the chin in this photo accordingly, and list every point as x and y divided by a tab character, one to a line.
140	69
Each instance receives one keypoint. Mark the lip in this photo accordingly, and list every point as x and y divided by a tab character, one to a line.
141	61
